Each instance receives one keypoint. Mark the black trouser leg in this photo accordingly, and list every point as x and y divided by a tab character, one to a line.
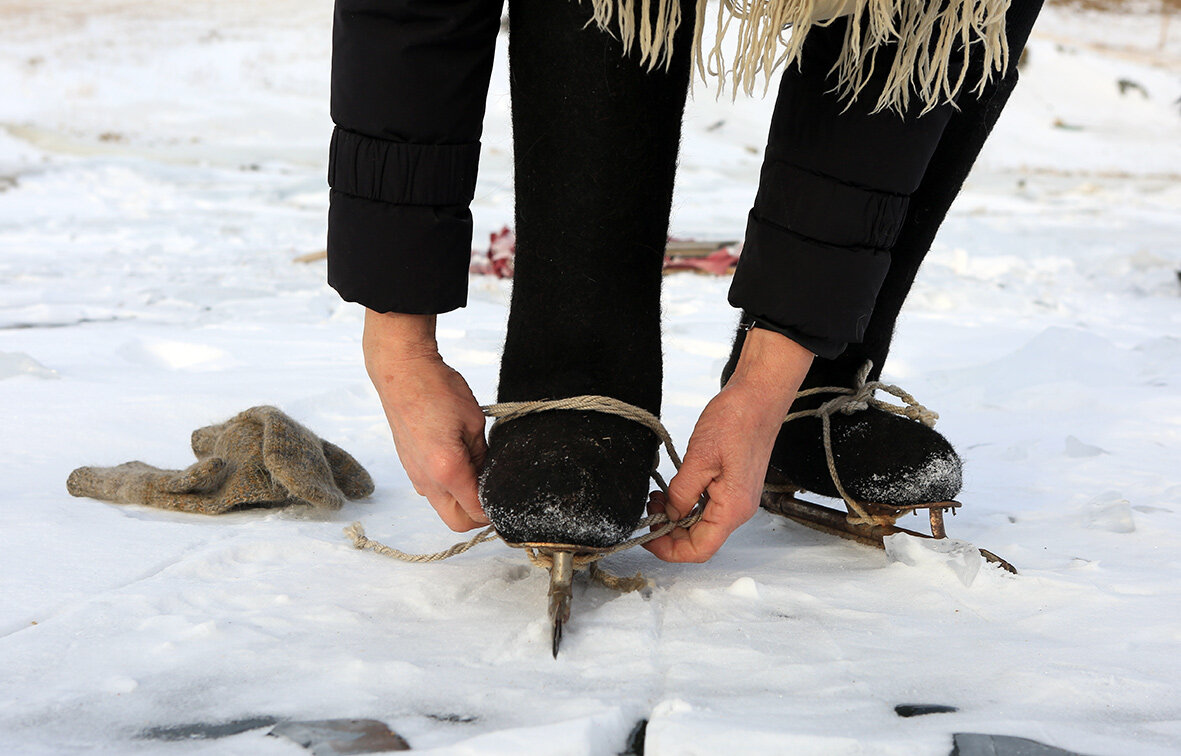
850	202
595	143
596	140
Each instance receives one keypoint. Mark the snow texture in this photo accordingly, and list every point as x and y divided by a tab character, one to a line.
161	164
961	558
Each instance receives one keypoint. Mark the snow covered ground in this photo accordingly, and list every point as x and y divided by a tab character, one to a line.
162	164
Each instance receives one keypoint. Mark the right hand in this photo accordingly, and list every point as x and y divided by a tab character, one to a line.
437	423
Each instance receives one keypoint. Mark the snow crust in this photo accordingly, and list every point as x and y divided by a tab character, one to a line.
162	164
960	558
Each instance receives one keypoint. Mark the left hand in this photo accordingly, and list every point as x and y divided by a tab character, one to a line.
728	452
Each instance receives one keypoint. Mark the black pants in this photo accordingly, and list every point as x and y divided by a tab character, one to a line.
409	83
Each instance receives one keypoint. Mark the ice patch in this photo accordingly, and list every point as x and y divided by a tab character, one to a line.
1055	355
960	557
603	732
119	685
1078	449
13	364
671	706
1111	512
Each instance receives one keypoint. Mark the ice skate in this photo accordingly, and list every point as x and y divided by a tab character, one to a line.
566	486
593	195
883	460
883	465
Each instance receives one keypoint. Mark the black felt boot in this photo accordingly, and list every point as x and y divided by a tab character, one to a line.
881	457
596	140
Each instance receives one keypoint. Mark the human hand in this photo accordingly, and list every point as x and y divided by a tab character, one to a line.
437	424
728	452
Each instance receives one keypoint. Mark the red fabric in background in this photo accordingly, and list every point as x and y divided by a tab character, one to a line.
497	259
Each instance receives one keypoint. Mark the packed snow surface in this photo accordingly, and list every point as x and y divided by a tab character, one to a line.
161	164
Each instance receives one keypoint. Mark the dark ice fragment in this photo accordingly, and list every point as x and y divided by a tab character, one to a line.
206	730
336	737
918	710
976	744
635	740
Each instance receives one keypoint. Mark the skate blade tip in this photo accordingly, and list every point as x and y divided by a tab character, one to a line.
557	637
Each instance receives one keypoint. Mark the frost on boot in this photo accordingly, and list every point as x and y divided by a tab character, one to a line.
881	458
577	478
597	135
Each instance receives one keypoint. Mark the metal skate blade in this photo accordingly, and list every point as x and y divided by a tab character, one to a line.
561	593
557	637
835	522
561	579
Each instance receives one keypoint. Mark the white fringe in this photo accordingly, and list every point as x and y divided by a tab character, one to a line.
925	32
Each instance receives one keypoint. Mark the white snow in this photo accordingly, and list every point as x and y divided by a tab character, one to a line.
160	166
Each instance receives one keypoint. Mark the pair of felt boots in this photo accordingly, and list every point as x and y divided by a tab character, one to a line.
594	168
582	478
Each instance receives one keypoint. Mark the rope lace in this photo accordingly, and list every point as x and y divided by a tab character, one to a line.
848	401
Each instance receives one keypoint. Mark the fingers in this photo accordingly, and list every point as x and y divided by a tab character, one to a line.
702	540
452	514
698	543
477	447
448	481
463	488
453	480
686	487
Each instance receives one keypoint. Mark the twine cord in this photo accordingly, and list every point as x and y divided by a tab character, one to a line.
661	524
856	399
848	401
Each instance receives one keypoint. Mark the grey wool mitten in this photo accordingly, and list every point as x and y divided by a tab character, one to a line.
258	458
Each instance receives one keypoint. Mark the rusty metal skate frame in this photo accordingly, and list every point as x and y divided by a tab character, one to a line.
782	500
562	558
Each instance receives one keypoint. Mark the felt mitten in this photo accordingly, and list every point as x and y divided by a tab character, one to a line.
190	490
259	458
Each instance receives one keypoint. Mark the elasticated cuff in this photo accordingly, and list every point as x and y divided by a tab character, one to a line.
399	227
819	295
828	209
402	173
399	258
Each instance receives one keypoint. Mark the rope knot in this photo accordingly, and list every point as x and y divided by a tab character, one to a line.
848	401
857	399
660	524
850	405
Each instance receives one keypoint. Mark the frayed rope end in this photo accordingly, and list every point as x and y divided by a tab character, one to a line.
356	533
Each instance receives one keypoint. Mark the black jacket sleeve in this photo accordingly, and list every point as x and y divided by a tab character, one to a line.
833	195
409	83
835	192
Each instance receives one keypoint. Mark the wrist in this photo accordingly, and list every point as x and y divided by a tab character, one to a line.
771	364
395	336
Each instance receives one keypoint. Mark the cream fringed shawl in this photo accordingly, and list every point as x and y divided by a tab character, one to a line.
927	34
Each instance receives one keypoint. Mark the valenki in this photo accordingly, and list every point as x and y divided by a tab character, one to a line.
934	40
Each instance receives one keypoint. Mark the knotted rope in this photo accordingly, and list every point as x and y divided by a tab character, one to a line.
856	399
849	400
507	411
